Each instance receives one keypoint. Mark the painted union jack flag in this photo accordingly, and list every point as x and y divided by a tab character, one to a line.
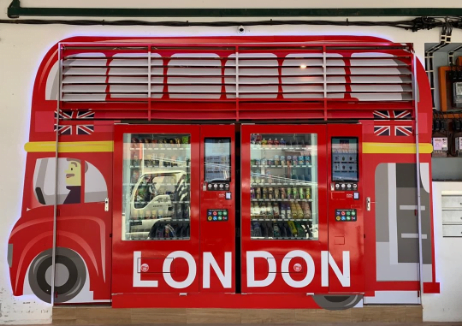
382	128
71	115
77	129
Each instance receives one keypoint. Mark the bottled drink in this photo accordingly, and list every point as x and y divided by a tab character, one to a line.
283	193
269	210
276	210
294	160
289	193
276	193
276	160
301	193
276	231
270	193
283	211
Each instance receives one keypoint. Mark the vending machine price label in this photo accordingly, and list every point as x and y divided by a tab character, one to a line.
217	215
346	215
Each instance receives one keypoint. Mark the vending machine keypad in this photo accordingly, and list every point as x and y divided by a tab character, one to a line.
217	215
346	215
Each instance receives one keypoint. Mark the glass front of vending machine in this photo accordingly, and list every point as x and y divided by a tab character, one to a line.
283	207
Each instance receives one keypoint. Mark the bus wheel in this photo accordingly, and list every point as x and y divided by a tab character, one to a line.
337	302
70	275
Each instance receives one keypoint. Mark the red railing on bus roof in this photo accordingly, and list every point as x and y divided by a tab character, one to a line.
235	82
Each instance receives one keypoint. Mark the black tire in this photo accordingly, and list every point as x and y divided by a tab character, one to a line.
337	302
72	285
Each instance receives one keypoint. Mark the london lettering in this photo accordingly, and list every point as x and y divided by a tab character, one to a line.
224	273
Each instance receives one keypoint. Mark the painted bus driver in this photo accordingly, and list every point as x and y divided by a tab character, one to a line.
74	181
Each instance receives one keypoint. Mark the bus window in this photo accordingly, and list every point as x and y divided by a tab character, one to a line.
69	182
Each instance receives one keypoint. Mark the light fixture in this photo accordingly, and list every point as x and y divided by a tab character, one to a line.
302	66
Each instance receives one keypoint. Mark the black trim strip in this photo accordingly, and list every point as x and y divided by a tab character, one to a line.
15	11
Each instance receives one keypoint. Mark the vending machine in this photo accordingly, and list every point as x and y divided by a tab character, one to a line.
302	209
175	222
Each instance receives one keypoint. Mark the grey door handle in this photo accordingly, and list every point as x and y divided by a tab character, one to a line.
368	203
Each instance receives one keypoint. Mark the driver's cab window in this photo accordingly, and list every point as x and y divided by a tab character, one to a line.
73	175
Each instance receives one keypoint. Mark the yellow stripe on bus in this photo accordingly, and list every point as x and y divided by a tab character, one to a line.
396	148
108	146
70	147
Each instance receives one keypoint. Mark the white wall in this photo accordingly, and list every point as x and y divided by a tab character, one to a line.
23	46
445	306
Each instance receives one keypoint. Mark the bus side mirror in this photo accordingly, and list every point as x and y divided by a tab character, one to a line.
40	197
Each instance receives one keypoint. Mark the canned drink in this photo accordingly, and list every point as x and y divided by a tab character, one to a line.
289	160
257	162
295	192
308	159
294	160
308	193
301	160
301	193
263	162
289	193
252	193
253	162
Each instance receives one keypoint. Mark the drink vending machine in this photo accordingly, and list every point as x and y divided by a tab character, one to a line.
302	209
177	211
